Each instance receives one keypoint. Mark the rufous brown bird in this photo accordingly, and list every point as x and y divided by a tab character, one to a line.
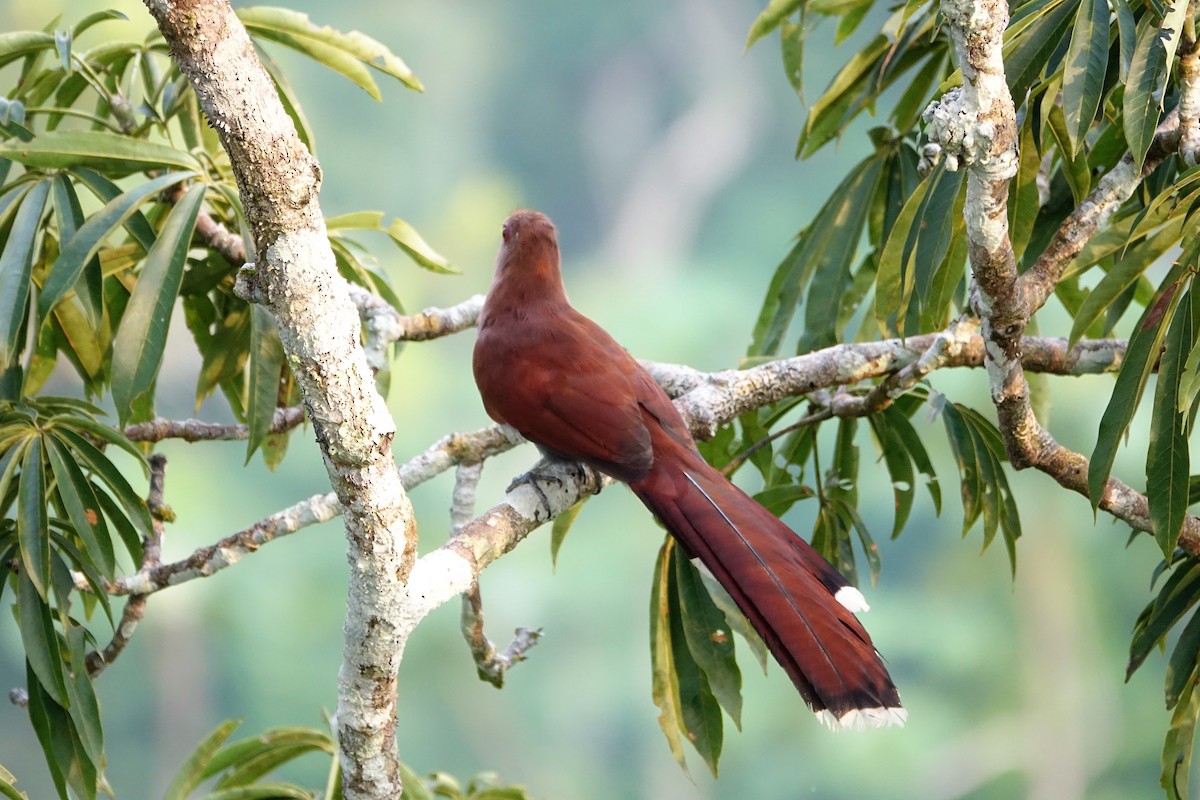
568	387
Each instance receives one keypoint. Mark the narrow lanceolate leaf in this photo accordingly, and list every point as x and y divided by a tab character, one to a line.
894	279
709	638
418	249
40	640
1167	456
19	44
69	213
700	715
1140	358
1083	71
664	684
1148	73
1178	595
562	525
1181	667
266	362
1177	746
770	18
333	48
830	247
192	771
138	346
32	531
87	240
83	509
84	708
110	153
16	266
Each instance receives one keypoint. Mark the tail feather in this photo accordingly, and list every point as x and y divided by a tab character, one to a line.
796	600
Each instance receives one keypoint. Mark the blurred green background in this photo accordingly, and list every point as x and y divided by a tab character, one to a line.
664	153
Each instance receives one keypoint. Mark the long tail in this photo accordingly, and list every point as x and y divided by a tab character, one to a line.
793	597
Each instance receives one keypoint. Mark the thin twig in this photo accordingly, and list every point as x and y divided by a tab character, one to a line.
135	607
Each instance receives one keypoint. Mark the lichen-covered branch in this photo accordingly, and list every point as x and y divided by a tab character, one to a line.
295	275
982	114
195	430
1189	92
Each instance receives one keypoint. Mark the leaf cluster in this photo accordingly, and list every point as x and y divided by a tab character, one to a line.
117	204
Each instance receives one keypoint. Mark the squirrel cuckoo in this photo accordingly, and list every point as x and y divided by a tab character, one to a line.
568	387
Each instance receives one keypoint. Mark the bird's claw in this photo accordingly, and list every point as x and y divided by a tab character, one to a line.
531	479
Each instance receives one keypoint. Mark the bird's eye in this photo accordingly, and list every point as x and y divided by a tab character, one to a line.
509	231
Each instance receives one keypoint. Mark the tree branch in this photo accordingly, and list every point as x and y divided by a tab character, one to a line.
195	430
135	607
296	275
983	114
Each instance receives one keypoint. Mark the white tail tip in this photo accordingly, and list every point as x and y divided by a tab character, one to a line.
859	719
852	599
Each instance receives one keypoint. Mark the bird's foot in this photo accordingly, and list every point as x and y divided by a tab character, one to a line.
533	479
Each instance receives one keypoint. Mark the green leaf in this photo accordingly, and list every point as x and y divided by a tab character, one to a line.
827	247
110	153
50	724
1030	42
191	772
141	339
1125	272
1167	457
69	213
1178	595
1083	71
1074	167
900	469
95	18
32	531
342	52
249	751
83	509
831	243
411	784
1178	745
709	638
1140	358
699	713
894	278
264	791
1148	73
829	113
20	44
87	240
562	524
770	18
7	787
40	640
962	445
266	362
136	514
84	708
737	620
1024	200
418	249
665	684
1181	667
1127	33
16	267
136	224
